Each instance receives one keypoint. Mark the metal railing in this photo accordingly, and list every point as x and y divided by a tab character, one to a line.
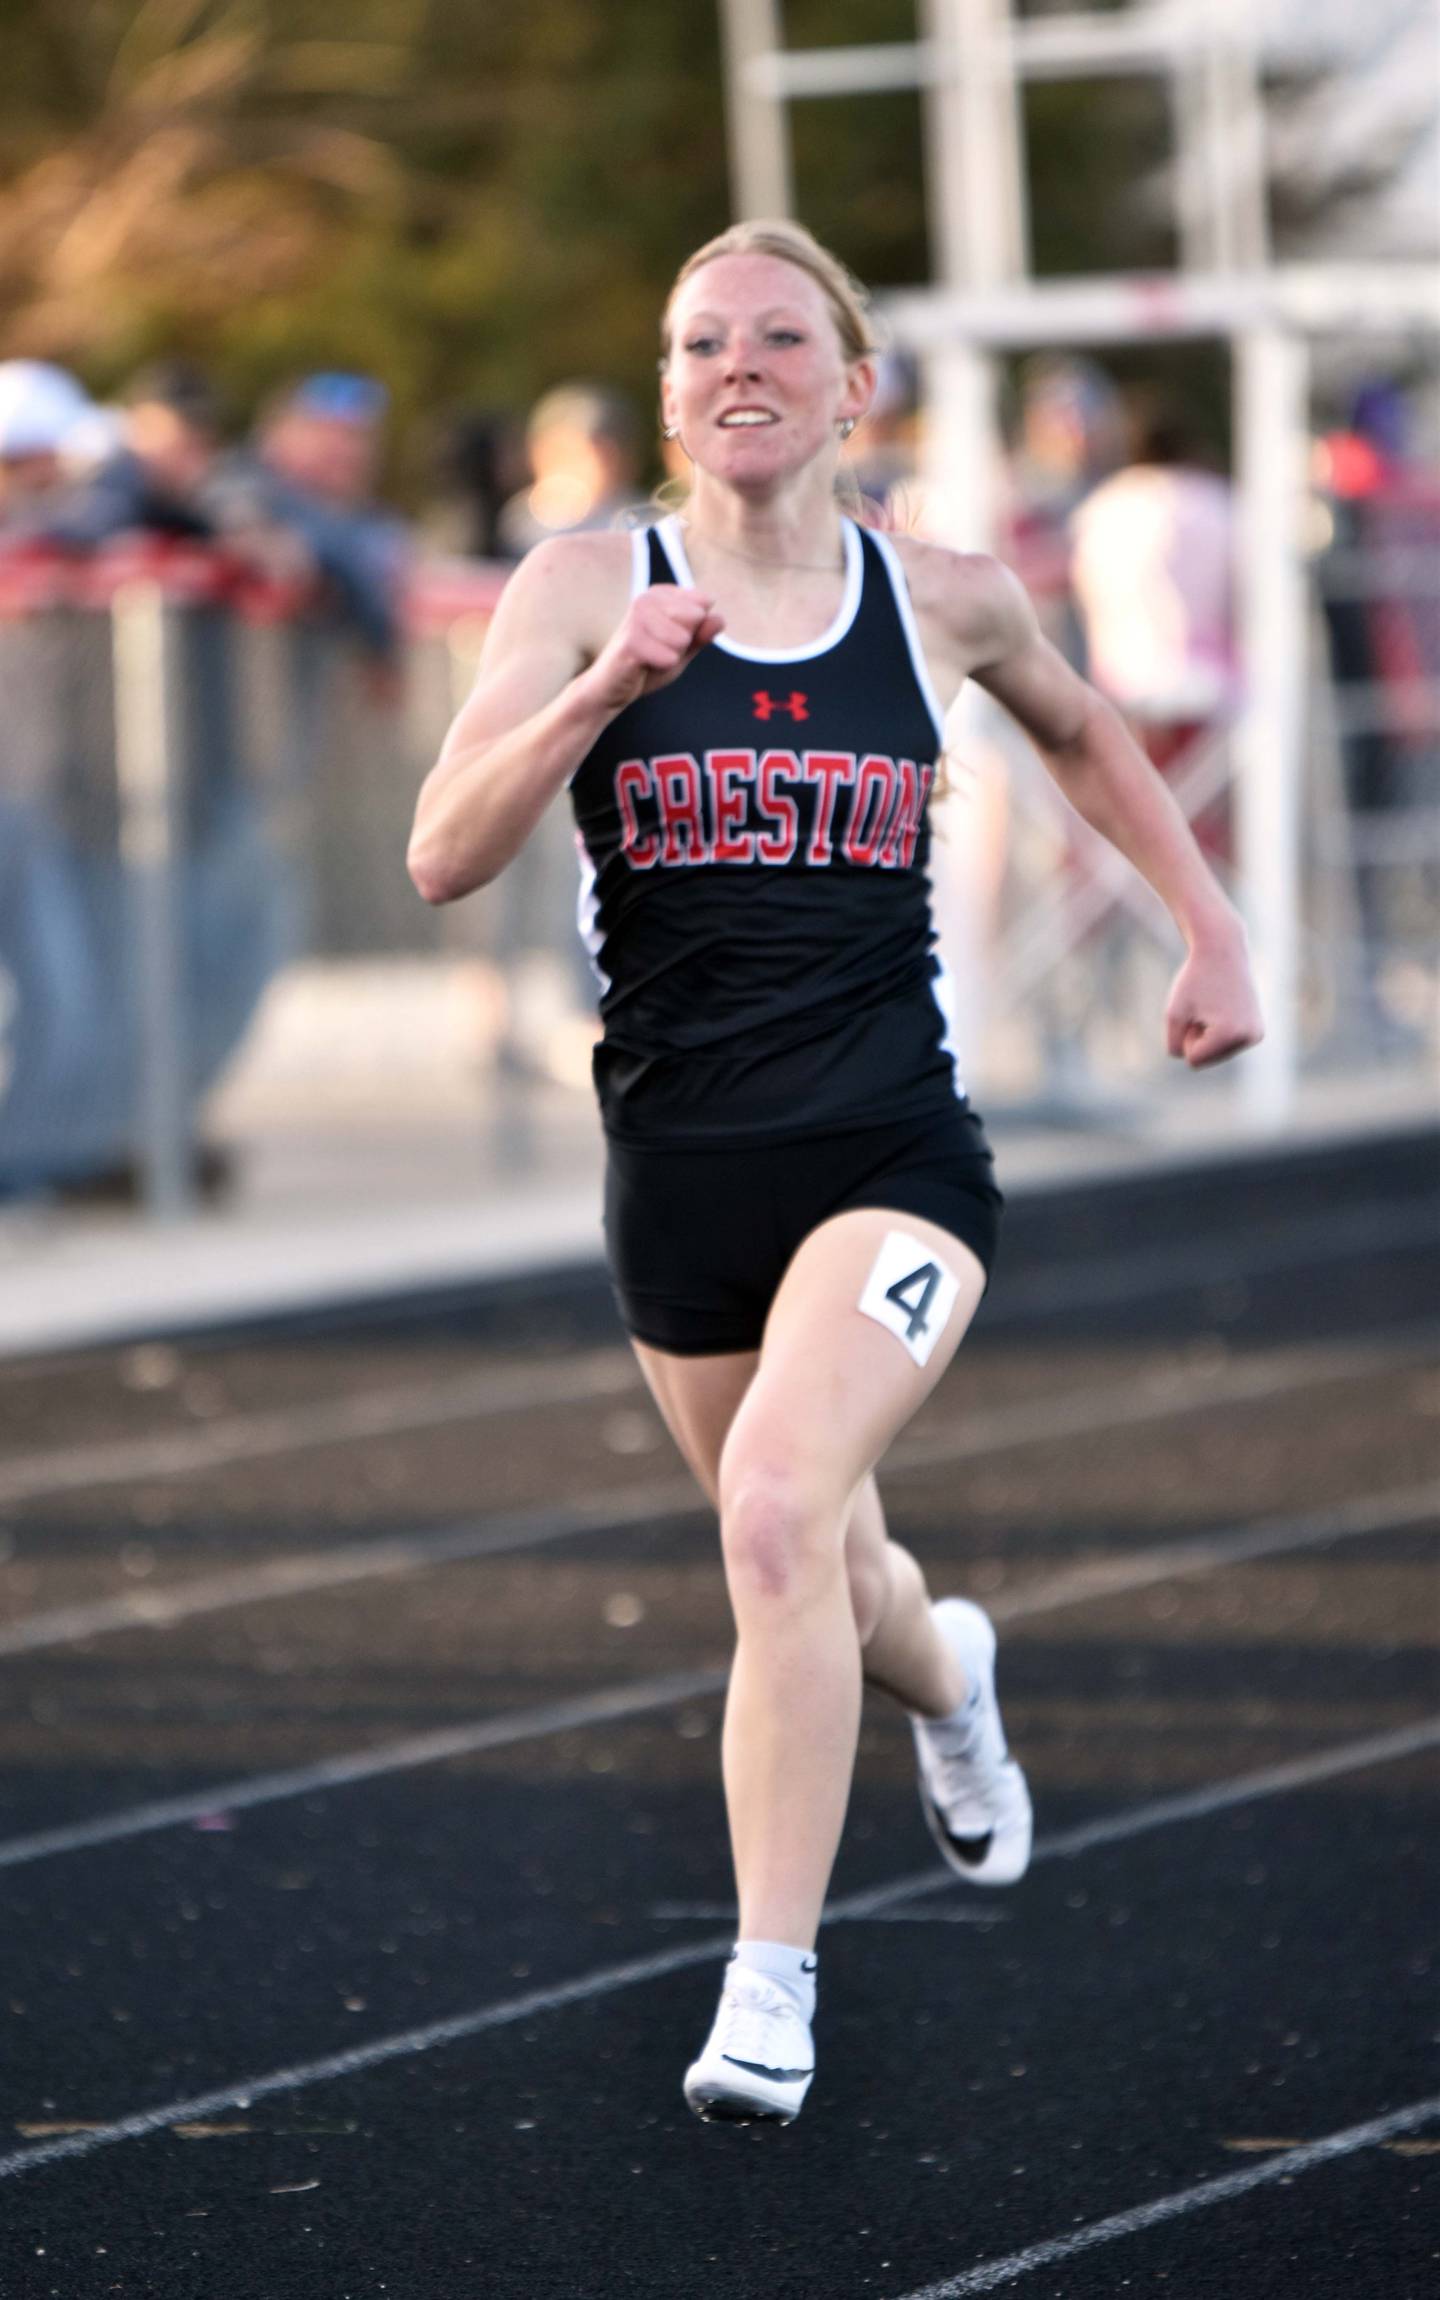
1074	952
198	788
201	798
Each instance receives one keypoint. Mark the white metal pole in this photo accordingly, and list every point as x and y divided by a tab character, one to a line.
1191	170
974	167
1241	138
959	457
1271	426
759	140
147	771
1314	299
974	178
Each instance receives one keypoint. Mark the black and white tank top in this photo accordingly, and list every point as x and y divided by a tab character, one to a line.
754	895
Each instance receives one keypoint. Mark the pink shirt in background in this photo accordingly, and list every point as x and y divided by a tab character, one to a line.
1153	578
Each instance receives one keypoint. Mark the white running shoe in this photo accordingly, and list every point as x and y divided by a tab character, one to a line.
758	2059
972	1792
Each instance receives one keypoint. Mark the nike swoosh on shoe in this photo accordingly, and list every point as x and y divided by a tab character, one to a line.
972	1850
758	2068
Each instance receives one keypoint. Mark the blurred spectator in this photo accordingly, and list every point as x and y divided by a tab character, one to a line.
70	1066
583	441
52	1019
1152	582
159	451
1153	574
1378	507
326	437
48	427
51	1037
168	440
1070	434
313	470
884	458
477	470
1380	522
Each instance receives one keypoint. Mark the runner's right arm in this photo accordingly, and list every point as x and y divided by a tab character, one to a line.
549	682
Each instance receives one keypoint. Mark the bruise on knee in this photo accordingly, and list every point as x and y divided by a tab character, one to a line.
773	1531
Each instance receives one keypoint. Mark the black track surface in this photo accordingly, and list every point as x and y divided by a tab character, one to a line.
1137	2018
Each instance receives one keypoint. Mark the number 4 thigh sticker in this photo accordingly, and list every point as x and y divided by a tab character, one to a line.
911	1291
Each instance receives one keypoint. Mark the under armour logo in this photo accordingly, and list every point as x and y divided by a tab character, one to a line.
795	703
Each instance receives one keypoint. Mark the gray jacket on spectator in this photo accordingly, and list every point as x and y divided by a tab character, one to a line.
360	554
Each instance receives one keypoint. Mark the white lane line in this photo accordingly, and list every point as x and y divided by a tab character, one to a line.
601	1373
1235	1545
1171	1392
335	1421
1176	1390
359	2058
991	2274
312	1570
393	1412
437	1748
1376	1513
587	1987
1164	1812
1198	1804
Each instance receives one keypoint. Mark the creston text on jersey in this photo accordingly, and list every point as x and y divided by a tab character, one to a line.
778	807
754	891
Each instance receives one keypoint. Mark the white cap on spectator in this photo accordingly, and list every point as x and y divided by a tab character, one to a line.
43	411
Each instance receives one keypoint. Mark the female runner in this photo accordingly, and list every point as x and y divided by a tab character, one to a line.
746	706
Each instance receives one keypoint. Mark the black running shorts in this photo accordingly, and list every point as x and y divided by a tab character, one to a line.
699	1239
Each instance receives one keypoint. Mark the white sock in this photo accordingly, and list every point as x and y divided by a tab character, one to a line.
958	1725
968	1707
794	1969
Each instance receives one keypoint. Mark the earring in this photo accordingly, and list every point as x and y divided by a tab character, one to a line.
846	426
669	431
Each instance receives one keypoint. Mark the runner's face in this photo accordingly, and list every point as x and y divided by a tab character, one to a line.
757	381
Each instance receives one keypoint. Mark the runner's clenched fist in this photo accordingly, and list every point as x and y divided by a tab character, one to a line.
663	631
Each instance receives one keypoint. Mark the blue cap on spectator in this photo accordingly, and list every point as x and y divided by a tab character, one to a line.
344	398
